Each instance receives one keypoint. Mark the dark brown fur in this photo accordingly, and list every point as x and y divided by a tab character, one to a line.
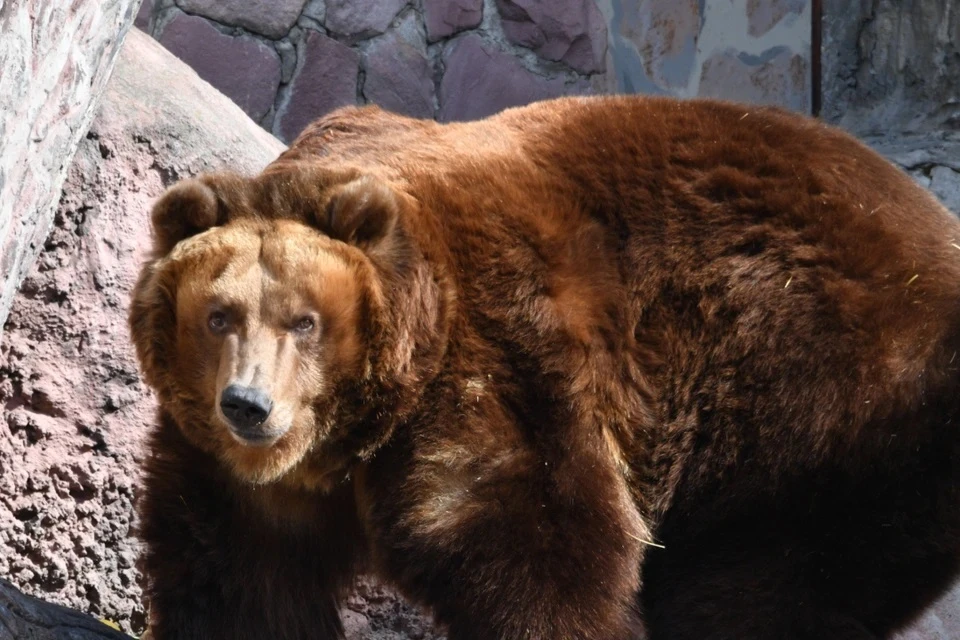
576	328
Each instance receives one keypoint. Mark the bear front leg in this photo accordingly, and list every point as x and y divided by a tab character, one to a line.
216	568
525	548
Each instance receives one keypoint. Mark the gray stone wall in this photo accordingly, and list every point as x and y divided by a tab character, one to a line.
891	75
55	58
290	61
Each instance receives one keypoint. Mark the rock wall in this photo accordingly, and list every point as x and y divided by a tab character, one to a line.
462	59
891	66
891	75
55	58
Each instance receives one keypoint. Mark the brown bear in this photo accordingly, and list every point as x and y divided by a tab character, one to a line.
580	368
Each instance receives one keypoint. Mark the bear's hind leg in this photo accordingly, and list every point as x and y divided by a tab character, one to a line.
750	593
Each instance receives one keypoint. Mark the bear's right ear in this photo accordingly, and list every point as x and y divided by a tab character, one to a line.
362	212
184	210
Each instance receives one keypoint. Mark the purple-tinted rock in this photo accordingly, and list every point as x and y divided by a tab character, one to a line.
480	81
445	18
569	31
361	18
763	15
142	21
398	77
272	19
779	77
242	68
326	79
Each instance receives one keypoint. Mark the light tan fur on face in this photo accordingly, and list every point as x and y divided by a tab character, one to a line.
264	278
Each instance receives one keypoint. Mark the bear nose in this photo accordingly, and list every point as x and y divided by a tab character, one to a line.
245	407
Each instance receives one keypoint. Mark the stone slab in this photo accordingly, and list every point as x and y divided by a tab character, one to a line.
326	78
570	31
243	68
272	19
480	81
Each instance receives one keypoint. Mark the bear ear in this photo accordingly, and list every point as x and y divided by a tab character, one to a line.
362	212
184	210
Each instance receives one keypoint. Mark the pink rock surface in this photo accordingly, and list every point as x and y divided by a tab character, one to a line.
243	68
480	81
326	78
444	18
570	31
273	19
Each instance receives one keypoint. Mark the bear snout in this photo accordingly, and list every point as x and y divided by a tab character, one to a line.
246	410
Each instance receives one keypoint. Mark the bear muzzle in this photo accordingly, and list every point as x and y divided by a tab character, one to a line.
246	410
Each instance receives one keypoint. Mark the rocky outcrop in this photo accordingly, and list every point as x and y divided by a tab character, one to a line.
55	59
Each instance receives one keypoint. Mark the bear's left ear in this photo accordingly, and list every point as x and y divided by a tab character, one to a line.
363	212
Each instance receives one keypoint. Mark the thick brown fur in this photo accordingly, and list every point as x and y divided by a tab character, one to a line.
547	344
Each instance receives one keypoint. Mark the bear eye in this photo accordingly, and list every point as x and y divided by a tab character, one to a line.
304	325
217	321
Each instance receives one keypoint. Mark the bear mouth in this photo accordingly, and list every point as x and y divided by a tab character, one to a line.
259	438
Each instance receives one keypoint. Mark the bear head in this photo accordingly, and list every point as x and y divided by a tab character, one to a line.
271	319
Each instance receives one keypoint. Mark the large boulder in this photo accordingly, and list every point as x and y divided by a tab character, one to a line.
55	58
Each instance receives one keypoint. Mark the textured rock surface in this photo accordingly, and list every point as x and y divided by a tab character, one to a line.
55	58
326	78
569	31
74	409
891	66
243	68
398	77
361	18
480	80
444	18
273	19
